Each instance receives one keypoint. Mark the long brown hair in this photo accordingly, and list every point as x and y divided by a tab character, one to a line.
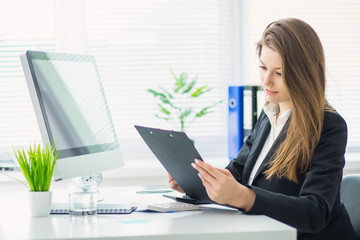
303	64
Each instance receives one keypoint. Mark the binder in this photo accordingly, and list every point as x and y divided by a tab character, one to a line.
245	104
235	120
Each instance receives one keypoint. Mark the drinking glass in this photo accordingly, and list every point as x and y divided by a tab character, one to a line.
83	198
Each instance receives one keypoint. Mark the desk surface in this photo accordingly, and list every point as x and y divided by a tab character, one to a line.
210	222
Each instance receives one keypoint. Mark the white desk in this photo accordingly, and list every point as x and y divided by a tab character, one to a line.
208	223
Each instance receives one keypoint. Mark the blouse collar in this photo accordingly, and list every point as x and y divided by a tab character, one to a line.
271	110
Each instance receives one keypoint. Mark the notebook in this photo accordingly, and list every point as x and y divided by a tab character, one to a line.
59	208
176	152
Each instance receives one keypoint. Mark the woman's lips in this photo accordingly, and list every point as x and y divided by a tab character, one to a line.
268	92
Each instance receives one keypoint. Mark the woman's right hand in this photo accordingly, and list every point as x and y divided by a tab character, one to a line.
174	185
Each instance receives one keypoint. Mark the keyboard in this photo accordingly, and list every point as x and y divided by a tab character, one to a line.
167	206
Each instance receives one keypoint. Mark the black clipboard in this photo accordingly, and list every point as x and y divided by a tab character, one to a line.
176	152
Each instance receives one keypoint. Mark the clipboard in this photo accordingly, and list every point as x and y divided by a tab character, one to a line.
176	152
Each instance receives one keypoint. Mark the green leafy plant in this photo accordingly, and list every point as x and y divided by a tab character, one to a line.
37	164
176	105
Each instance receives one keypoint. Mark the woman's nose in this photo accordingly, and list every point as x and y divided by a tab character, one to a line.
267	79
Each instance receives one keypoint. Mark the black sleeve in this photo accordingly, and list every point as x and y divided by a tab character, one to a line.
310	210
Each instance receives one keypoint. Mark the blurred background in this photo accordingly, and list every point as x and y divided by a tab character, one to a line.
135	42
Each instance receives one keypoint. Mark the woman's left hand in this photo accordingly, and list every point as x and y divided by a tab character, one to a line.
222	187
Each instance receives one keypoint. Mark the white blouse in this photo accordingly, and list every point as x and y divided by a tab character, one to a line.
276	126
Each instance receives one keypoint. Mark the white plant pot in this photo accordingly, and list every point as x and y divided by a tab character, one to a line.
40	203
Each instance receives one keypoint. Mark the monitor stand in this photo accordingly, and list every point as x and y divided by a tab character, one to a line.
97	177
92	177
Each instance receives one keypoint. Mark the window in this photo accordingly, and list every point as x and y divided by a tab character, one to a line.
24	25
135	42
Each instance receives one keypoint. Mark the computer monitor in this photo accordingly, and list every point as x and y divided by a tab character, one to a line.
72	112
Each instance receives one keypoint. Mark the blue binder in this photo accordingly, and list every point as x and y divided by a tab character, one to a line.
243	113
235	118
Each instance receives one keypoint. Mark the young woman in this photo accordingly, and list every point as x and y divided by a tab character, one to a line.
290	167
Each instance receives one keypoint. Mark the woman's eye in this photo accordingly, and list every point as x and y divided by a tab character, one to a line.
279	74
262	67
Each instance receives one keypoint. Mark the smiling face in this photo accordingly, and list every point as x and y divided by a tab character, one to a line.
270	70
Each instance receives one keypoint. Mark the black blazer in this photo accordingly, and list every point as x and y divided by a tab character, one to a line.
312	205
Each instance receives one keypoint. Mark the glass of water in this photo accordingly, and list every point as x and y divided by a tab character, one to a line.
83	198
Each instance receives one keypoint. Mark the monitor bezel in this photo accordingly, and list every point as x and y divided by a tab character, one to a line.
85	162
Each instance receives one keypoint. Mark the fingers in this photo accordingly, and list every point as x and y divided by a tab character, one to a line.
225	171
220	184
201	165
170	178
217	172
174	185
207	173
205	182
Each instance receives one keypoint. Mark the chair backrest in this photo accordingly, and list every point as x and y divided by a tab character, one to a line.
350	196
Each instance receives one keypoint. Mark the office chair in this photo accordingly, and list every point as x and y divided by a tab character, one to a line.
350	196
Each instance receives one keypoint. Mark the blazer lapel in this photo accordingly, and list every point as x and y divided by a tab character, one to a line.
273	148
258	143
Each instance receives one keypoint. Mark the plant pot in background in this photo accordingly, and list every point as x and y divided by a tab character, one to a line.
40	203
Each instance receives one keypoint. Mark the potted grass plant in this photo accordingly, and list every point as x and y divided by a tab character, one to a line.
37	165
177	104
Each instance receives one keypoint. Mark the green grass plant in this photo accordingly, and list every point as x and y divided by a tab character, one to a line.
37	164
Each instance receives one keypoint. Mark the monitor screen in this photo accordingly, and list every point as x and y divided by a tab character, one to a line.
72	111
